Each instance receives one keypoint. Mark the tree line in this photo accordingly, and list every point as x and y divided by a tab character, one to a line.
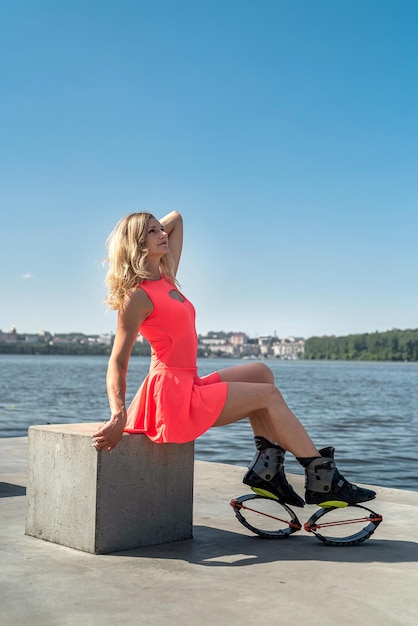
392	345
69	349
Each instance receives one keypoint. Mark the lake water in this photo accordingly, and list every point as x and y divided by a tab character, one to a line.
368	411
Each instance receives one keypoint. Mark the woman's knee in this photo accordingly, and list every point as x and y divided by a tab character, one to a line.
263	373
248	373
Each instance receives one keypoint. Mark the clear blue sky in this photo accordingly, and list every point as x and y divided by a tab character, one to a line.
285	132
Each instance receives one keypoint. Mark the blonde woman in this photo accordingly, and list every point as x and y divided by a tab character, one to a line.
174	404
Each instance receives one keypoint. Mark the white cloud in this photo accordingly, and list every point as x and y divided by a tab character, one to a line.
27	276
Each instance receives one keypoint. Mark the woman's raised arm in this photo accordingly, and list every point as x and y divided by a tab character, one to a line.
173	226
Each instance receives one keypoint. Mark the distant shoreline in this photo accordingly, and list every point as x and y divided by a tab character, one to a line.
77	349
143	350
391	346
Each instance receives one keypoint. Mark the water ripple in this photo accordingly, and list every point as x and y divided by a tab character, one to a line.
368	411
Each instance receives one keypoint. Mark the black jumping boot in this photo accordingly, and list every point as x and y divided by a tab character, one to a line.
266	475
326	487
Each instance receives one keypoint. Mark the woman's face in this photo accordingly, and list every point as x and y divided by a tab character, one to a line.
156	239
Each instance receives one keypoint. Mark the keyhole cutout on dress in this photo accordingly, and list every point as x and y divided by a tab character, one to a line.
176	295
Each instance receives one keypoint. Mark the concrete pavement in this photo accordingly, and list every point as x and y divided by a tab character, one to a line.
224	575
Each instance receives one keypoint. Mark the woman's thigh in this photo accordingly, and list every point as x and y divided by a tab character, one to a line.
247	373
244	399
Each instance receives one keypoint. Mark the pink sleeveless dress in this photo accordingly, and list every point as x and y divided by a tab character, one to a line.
173	405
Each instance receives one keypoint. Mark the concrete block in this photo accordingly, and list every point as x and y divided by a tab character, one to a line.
140	494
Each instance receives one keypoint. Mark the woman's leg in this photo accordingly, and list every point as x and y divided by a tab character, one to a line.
266	474
252	373
251	393
256	372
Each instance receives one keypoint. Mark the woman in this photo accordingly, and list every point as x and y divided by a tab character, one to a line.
174	405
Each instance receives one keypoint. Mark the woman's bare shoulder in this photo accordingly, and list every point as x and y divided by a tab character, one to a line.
138	303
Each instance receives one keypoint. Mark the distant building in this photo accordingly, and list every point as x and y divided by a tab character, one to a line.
216	343
32	338
239	345
9	337
289	348
238	339
56	339
106	338
265	346
249	350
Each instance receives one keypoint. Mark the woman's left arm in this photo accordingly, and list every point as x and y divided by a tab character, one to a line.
173	226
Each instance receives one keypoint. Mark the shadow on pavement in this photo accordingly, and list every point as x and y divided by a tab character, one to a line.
214	547
8	490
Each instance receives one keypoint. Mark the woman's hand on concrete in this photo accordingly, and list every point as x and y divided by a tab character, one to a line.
109	435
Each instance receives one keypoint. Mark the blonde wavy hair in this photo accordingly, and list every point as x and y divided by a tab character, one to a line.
127	258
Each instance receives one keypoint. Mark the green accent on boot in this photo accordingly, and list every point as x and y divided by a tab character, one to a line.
264	493
336	503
